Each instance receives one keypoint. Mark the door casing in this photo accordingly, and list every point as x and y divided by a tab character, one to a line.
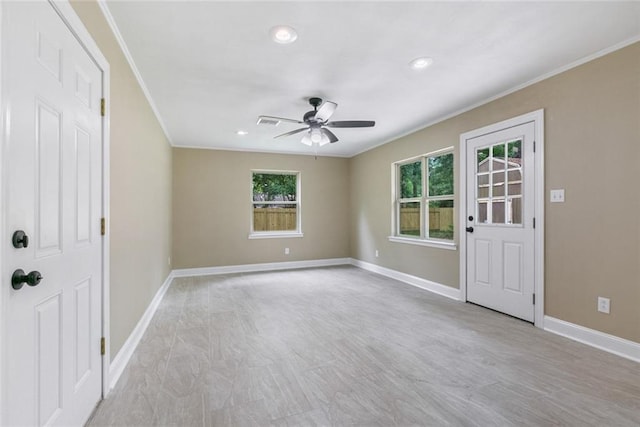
73	22
537	117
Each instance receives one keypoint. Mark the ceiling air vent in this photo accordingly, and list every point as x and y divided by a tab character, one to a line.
268	121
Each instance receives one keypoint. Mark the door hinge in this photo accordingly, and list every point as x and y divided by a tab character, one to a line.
534	299
534	223
103	226
534	145
102	346
102	107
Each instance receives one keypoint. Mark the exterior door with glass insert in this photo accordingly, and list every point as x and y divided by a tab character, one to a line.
500	209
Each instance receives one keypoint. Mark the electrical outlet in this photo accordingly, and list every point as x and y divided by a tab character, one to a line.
557	196
377	253
286	251
603	305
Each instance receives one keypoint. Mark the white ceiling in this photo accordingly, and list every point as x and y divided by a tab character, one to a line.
211	68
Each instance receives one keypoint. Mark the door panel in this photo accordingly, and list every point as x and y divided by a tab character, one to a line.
48	153
49	358
483	261
83	186
52	190
513	267
500	196
49	55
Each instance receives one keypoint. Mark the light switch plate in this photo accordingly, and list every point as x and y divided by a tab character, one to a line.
557	196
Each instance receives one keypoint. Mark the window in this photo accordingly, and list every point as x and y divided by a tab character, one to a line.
423	199
275	204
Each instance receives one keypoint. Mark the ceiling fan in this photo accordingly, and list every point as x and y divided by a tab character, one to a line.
316	123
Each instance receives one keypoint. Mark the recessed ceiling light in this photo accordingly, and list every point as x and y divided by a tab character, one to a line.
283	34
242	132
421	63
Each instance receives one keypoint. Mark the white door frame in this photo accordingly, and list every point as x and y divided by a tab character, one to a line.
73	22
537	117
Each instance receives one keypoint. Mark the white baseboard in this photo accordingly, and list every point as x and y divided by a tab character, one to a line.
121	360
610	343
271	266
418	282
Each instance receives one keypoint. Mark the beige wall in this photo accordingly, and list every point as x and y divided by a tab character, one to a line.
140	211
212	208
592	143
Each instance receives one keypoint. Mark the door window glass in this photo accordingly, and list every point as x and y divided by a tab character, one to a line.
499	183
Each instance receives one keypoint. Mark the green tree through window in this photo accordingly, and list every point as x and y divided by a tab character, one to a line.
272	187
441	175
411	180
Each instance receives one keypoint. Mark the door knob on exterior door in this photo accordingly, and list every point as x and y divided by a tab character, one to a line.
470	229
18	279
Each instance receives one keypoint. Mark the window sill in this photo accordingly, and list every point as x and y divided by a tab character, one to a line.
424	242
275	235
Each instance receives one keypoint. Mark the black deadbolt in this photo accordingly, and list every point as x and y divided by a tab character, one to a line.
470	217
20	239
18	279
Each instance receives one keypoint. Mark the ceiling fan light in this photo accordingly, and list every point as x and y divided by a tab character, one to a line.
316	136
306	140
324	140
283	34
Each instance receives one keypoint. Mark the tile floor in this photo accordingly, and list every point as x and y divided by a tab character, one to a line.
342	346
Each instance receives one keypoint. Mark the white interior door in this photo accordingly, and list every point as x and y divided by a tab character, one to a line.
52	191
500	214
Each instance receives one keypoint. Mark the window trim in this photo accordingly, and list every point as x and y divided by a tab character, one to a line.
280	234
424	200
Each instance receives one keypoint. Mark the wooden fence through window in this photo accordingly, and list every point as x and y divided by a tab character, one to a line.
439	219
274	219
279	219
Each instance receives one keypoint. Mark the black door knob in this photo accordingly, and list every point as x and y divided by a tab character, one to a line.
20	239
18	279
470	229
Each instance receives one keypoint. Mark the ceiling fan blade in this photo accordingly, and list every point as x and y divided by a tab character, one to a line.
293	132
351	124
325	111
332	137
269	120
